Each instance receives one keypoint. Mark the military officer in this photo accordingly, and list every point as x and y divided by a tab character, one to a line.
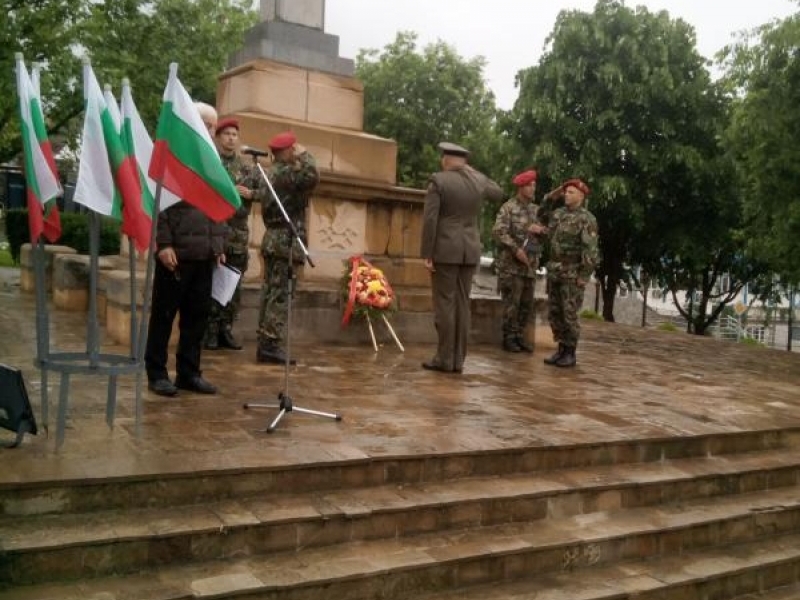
573	258
249	184
516	231
294	176
451	249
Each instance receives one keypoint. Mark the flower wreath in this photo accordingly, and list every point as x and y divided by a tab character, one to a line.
366	291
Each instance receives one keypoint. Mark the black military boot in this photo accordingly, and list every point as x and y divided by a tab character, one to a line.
553	358
568	358
510	344
271	353
524	344
226	340
211	341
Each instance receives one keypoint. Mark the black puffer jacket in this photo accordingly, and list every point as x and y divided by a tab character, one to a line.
191	234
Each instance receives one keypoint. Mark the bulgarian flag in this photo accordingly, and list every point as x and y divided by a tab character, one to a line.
40	167
137	140
185	160
108	181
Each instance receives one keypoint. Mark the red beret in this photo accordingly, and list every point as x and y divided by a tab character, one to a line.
282	141
225	123
524	178
578	184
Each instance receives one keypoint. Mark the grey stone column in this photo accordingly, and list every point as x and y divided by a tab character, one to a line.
292	32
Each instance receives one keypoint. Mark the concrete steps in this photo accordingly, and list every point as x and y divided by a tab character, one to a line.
722	515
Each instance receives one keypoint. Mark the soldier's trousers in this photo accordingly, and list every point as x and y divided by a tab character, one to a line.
451	285
222	317
516	293
274	300
564	301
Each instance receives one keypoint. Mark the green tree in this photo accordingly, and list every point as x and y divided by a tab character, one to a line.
763	71
421	98
124	38
623	100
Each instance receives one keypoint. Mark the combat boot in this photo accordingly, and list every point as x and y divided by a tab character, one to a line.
553	358
226	340
524	344
271	353
568	358
211	342
510	344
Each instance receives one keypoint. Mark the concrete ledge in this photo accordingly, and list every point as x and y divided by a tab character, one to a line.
70	281
27	278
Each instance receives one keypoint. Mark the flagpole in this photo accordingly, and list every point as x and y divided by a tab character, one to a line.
132	272
93	333
141	339
42	321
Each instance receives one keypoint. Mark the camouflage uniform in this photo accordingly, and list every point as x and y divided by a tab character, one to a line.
516	280
573	257
242	173
293	184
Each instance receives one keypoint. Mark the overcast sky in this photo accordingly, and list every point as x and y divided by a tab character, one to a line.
510	34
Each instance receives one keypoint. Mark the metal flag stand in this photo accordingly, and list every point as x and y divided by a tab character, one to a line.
285	404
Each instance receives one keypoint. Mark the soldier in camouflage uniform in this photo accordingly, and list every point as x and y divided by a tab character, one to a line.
293	176
516	230
573	257
251	189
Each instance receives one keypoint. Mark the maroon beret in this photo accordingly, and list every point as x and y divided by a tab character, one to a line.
578	184
225	123
524	178
282	141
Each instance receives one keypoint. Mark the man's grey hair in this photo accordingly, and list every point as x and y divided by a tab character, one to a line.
206	111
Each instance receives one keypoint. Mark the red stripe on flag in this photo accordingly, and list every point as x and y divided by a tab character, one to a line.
35	216
135	222
188	185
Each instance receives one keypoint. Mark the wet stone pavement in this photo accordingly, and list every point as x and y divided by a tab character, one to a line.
629	384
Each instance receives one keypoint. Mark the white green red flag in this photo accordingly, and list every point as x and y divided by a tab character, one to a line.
134	135
41	176
107	176
185	160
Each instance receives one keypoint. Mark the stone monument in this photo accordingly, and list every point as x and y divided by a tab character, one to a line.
289	76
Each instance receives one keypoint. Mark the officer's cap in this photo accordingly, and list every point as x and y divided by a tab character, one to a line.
452	149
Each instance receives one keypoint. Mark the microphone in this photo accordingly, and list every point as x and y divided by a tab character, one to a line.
253	151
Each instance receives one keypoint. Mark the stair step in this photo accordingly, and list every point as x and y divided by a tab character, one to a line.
133	539
788	592
481	555
190	482
764	570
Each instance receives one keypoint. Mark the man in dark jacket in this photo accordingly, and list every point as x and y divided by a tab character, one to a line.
451	249
189	245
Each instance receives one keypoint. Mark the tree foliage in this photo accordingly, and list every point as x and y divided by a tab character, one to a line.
763	70
421	98
623	99
123	38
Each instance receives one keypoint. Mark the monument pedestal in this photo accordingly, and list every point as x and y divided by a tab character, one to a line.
289	77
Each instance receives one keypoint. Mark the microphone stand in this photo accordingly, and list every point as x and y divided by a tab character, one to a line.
285	404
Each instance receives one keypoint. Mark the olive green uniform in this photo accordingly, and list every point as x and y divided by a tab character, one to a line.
516	280
293	184
573	258
248	175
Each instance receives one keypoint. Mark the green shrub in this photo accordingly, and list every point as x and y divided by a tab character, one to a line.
667	326
750	342
5	256
74	232
590	314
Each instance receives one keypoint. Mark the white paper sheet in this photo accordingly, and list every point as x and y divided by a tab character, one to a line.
224	283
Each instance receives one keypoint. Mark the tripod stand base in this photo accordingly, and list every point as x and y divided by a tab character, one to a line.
286	406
